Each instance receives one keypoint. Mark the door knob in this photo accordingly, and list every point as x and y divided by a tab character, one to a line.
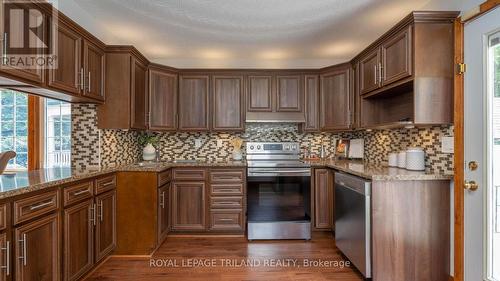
471	185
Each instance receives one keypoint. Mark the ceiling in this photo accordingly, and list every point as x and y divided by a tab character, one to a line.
244	33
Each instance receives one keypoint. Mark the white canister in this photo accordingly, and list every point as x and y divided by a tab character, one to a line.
402	159
393	159
415	159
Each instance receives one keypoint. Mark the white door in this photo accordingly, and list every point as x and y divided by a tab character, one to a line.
482	146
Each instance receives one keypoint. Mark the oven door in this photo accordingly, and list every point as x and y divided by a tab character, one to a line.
279	195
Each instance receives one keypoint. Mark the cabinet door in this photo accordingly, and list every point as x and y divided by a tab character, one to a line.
335	100
259	94
11	35
78	239
163	213
6	270
105	238
162	100
369	72
323	199
228	112
193	103
311	103
37	249
139	96
289	93
188	206
69	75
396	57
93	64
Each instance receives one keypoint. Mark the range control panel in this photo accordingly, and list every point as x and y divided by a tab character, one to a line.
272	147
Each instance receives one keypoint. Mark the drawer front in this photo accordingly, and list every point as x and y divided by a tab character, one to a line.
226	220
190	174
227	175
105	183
37	205
164	177
233	202
226	189
78	192
3	216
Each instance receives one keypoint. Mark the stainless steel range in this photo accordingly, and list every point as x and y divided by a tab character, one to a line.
279	192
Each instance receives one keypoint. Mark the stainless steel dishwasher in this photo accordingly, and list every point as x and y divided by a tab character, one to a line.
352	220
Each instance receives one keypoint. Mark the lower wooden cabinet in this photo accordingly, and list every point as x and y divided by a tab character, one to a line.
78	239
37	249
105	238
188	206
163	211
323	199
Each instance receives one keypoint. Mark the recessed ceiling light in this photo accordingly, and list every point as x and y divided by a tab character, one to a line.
213	54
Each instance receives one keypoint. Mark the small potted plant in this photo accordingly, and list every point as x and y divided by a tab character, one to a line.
149	142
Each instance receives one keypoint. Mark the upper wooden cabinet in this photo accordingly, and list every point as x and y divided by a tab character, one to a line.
311	103
259	94
194	102
228	102
396	57
289	93
93	65
139	95
162	100
368	67
126	87
335	99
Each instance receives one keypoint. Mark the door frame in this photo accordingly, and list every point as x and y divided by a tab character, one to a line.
458	116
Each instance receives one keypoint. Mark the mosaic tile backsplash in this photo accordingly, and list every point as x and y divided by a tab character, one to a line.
118	147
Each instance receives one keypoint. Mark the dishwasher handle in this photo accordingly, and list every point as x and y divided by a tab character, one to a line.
354	183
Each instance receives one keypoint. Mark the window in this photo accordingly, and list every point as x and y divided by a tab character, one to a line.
57	134
14	127
35	145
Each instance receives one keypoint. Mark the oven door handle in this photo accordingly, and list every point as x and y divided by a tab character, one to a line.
279	172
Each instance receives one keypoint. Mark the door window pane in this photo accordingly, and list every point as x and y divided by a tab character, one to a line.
14	127
58	133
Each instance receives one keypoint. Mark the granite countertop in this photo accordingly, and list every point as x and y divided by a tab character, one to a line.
24	182
377	172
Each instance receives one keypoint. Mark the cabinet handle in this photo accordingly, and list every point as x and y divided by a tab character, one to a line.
7	258
41	205
380	73
88	83
100	210
107	184
5	45
376	78
82	79
226	219
25	250
227	203
92	214
162	200
81	192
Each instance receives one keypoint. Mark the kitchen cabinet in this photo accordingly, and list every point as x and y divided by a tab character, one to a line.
194	102
139	95
163	212
79	222
188	206
311	104
162	99
69	74
335	99
259	93
368	67
396	60
6	245
289	95
37	253
126	88
323	199
6	271
105	238
228	101
93	65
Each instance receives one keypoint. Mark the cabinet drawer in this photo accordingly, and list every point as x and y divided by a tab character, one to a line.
234	202
226	189
227	175
190	174
3	216
78	192
105	183
31	207
226	220
164	177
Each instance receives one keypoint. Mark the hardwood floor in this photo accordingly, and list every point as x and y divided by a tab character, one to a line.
174	260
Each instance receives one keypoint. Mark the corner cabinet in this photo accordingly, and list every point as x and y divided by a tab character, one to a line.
163	98
335	99
227	104
194	94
